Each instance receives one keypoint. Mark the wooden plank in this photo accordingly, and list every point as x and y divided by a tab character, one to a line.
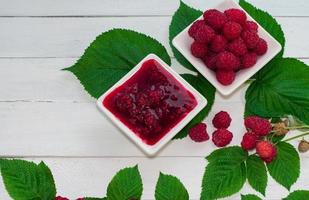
79	129
42	80
68	37
90	177
129	8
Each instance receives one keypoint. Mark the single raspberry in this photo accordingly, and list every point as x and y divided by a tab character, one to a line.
218	43
198	133
222	137
141	100
232	30
195	26
210	60
236	15
61	198
124	102
150	120
227	61
249	141
280	128
155	96
225	77
251	39
250	26
222	120
248	60
204	34
198	50
237	47
266	150
215	18
258	125
261	47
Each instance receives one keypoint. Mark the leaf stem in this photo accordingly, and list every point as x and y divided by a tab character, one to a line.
297	127
297	136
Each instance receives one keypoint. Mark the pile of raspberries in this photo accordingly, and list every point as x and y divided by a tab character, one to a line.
255	137
221	137
226	42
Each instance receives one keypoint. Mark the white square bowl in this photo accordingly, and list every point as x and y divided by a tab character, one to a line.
183	41
150	150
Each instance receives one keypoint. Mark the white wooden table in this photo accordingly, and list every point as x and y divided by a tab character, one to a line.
46	115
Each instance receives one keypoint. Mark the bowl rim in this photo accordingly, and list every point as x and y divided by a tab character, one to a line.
228	90
151	150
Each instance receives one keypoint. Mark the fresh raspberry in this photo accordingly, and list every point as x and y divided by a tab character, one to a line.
222	120
249	141
266	150
236	15
251	39
204	34
222	137
232	30
248	60
227	61
250	26
195	26
210	60
237	47
225	77
61	198
198	50
215	18
261	47
258	125
198	133
218	43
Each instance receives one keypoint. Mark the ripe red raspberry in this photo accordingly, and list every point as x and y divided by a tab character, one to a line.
232	30
237	47
218	43
222	120
236	15
204	34
215	18
195	26
198	133
210	60
227	61
61	198
222	137
261	47
266	150
198	50
250	26
249	141
248	60
225	77
251	39
258	125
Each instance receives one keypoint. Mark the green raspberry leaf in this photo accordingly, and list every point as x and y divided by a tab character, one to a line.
298	195
256	173
25	180
250	197
282	91
225	173
170	188
285	169
111	55
208	91
182	18
126	184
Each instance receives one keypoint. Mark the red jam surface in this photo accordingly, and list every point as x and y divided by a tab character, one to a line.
151	102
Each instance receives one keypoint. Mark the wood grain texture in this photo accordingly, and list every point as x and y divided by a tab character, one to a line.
133	7
68	37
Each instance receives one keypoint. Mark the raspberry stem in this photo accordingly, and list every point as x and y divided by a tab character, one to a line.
297	136
297	127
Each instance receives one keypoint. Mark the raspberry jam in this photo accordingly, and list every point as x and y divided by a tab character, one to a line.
151	102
